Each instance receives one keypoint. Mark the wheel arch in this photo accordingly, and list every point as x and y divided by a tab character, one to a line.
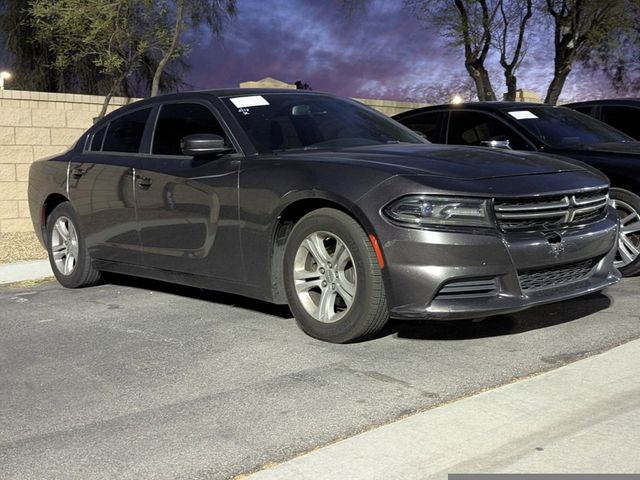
49	204
287	217
622	183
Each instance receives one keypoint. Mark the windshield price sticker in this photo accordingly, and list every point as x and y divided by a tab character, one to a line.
522	114
246	102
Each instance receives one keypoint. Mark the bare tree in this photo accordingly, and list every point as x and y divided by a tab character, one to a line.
189	13
511	41
579	25
467	23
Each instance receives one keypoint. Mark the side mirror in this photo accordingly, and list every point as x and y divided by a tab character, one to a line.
204	144
497	142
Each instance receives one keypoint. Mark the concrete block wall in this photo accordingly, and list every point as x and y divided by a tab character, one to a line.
390	107
34	125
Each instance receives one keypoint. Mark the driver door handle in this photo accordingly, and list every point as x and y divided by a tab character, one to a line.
144	183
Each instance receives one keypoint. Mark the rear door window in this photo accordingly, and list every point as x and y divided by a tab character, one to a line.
428	123
178	120
124	134
625	119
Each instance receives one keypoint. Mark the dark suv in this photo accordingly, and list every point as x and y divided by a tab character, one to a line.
322	203
534	127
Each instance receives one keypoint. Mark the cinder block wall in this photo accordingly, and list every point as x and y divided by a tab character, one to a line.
35	125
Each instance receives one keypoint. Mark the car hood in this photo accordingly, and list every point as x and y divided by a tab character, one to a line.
612	148
458	162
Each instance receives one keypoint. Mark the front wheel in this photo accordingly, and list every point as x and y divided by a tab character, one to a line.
627	206
332	278
68	254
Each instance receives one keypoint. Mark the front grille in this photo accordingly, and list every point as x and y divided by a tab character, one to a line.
554	276
548	213
468	289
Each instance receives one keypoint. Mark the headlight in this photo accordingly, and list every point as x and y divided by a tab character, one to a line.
423	210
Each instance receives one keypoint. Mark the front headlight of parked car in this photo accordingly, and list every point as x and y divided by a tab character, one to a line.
424	211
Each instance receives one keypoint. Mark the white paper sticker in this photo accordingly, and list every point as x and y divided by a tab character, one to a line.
522	114
246	102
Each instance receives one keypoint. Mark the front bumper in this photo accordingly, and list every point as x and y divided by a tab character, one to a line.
467	274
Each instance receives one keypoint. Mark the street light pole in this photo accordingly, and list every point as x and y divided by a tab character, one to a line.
4	76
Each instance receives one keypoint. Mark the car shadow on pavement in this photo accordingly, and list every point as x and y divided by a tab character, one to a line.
532	319
212	296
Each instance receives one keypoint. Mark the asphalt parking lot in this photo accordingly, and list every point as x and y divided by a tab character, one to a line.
140	379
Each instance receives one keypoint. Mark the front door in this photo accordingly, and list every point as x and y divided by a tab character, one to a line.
188	206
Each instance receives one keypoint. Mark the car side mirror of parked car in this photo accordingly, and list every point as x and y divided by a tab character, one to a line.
204	144
497	142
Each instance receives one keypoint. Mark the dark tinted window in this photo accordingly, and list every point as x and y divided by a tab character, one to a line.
473	128
625	119
426	123
125	133
283	121
560	127
176	121
96	141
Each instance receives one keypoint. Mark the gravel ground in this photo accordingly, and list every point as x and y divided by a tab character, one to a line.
15	247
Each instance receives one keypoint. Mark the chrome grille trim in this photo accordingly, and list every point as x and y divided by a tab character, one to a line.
551	212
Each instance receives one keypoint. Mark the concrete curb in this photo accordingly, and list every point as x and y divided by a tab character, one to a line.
581	418
21	271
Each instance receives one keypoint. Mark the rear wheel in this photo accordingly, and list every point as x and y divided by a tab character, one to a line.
332	278
627	206
68	254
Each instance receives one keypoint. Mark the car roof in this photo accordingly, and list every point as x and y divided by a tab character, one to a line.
485	106
228	92
606	101
192	94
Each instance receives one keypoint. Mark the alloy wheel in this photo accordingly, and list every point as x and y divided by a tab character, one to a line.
64	245
629	239
325	276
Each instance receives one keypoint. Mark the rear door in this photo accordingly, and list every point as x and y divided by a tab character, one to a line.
101	188
188	206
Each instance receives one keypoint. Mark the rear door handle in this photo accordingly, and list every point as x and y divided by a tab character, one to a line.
144	183
78	172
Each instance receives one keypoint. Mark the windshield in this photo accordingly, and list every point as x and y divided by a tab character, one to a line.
281	121
562	127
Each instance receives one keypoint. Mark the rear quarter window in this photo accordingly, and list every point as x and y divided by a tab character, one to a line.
625	119
124	134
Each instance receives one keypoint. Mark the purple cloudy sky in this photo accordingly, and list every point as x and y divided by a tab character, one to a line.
380	52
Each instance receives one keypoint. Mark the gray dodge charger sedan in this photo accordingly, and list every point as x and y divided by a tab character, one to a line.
322	203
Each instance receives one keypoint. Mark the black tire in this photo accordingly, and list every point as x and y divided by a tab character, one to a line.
367	313
69	258
628	207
